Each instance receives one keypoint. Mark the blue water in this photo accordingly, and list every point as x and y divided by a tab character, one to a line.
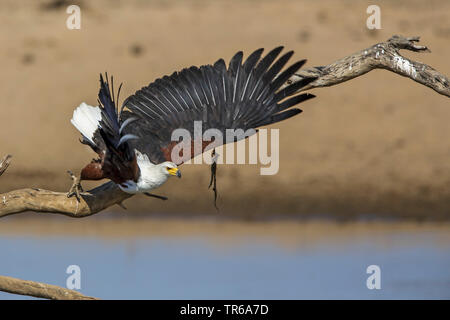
251	268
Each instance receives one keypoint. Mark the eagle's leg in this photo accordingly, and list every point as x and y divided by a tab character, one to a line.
76	187
155	196
93	171
213	181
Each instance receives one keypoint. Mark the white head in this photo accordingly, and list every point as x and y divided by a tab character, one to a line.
153	175
170	169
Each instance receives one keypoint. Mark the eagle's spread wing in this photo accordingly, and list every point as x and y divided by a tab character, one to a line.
246	95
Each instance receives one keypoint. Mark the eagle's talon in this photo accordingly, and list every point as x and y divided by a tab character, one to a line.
76	188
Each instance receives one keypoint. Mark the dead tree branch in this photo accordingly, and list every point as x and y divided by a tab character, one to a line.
383	55
39	290
40	200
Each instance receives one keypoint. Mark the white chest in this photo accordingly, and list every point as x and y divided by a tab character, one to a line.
151	179
151	176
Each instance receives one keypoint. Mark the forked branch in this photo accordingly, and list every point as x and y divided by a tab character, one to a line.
384	55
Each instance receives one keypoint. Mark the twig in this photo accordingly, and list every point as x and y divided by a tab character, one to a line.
4	163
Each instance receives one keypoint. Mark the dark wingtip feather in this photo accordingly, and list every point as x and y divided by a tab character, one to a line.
265	62
277	66
257	52
275	51
292	88
220	64
253	59
237	58
235	63
294	101
278	117
110	119
286	74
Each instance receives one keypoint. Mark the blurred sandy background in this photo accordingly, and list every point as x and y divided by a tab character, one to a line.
375	145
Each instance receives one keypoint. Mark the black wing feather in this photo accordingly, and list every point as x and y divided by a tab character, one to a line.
110	125
245	95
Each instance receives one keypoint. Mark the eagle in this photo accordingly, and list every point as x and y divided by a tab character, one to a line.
134	142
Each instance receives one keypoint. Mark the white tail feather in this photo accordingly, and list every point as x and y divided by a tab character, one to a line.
87	119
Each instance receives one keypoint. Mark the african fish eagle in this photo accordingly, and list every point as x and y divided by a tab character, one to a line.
134	143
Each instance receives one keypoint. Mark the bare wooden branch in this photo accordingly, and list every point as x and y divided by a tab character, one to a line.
39	290
384	55
40	200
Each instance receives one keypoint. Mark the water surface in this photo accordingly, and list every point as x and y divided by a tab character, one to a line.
196	260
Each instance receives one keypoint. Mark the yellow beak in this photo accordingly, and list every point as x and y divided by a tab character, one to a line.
174	172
